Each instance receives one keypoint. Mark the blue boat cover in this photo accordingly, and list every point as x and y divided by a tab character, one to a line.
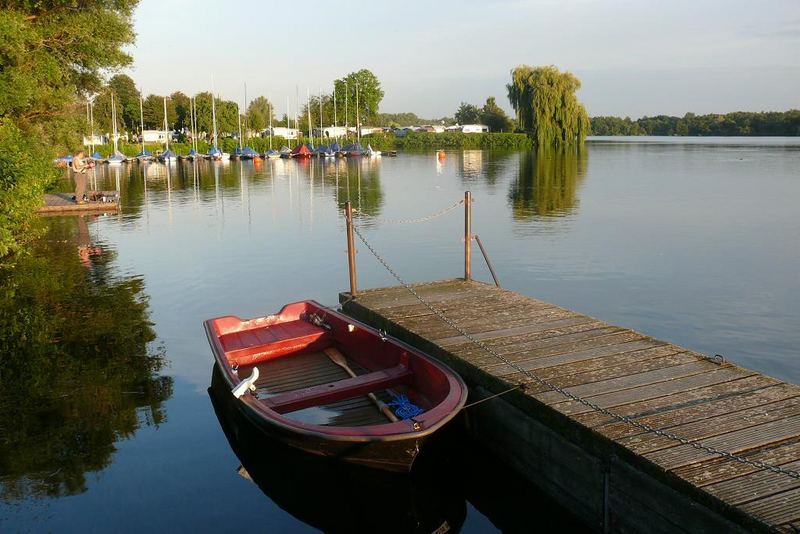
335	147
143	154
192	152
213	151
167	154
248	151
96	155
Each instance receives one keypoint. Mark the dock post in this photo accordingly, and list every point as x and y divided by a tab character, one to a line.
467	235
351	247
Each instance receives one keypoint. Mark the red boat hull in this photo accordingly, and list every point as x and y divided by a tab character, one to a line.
306	400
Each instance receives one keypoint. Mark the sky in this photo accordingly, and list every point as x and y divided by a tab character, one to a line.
634	58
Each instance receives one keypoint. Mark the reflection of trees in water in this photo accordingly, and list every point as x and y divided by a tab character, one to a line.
355	179
76	371
547	183
486	166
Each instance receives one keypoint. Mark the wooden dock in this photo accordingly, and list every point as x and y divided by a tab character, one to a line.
62	204
614	475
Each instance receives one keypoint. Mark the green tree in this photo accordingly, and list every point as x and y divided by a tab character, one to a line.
182	106
53	53
153	112
101	112
494	117
202	103
546	105
258	113
126	96
370	95
467	114
227	117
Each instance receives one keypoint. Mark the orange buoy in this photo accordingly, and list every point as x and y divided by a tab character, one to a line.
440	154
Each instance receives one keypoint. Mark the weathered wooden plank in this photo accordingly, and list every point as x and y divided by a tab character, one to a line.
681	399
714	426
628	396
595	369
728	404
530	341
718	469
776	509
628	381
734	442
559	344
540	360
433	327
548	324
755	485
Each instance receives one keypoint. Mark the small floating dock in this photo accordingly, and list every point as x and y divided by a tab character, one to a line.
62	203
613	474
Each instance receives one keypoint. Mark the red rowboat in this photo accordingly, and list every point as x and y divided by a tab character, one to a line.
325	383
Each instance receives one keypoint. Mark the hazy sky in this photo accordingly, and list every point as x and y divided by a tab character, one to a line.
634	58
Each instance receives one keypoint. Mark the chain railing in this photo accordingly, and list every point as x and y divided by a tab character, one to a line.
533	378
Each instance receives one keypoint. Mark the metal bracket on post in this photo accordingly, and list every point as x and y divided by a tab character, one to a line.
351	248
467	235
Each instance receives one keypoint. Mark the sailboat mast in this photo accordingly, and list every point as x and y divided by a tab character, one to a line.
114	122
358	121
346	91
245	107
287	116
214	118
166	127
269	107
335	122
239	116
308	112
321	127
141	120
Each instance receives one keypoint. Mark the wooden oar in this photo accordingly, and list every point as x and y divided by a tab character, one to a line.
339	359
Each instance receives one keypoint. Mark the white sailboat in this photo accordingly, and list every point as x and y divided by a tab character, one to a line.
116	158
168	156
215	153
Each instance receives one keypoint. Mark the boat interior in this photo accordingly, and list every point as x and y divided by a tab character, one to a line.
319	368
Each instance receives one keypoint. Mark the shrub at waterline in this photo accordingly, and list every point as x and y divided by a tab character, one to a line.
25	171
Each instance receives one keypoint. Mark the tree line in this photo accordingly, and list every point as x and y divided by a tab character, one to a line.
739	123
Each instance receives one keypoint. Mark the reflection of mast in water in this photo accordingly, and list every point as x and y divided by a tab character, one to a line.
336	193
359	185
145	167
195	181
311	196
217	195
169	193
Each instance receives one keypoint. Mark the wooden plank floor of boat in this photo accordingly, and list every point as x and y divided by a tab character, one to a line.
312	369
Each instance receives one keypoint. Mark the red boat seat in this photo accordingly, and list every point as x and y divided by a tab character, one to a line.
261	343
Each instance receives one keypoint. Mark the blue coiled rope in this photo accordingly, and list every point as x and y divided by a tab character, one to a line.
404	408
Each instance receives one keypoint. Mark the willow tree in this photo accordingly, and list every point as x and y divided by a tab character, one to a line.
546	105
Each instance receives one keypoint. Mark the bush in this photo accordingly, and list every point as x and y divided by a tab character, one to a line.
25	172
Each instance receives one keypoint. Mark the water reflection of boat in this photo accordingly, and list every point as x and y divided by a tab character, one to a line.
373	405
332	496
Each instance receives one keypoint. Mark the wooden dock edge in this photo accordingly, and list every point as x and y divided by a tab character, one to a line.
603	483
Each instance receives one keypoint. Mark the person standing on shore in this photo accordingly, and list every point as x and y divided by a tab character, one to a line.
79	167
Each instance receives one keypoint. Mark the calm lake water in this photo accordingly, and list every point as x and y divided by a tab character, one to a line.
695	241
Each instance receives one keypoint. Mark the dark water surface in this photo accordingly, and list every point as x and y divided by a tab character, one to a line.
112	427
